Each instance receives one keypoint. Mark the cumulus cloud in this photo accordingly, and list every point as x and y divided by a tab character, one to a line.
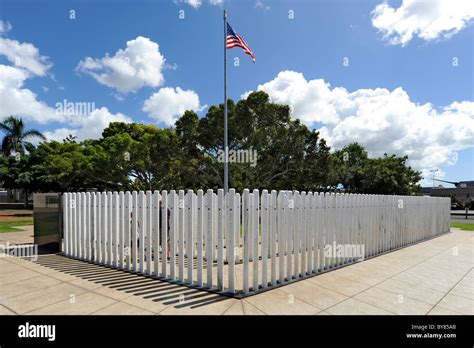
140	64
428	20
23	55
88	126
311	100
17	100
383	121
168	104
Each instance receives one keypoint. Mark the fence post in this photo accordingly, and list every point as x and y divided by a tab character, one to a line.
199	241
209	236
220	238
264	221
189	236
255	235
102	225
281	236
127	228
290	208
181	234
115	228
162	232
273	233
173	224
246	236
146	234
121	228
230	211
81	220
154	231
237	229
94	246
296	225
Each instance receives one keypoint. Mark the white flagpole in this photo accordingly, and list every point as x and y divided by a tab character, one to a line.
226	147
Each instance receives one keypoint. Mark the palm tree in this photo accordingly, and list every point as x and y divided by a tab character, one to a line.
16	136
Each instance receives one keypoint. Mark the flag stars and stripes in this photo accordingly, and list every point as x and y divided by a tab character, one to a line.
235	40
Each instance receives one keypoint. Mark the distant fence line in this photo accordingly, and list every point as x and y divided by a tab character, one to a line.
241	244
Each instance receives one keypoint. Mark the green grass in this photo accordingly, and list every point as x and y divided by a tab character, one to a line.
9	226
462	226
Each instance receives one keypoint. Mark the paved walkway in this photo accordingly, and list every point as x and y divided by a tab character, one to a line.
433	277
23	237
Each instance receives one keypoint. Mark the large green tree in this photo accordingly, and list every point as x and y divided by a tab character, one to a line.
288	156
356	172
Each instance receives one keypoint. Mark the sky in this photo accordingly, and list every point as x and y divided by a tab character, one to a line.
396	76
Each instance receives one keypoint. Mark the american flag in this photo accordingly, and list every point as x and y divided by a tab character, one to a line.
235	40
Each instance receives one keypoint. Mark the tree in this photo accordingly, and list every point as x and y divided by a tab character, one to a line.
132	156
285	148
358	173
16	136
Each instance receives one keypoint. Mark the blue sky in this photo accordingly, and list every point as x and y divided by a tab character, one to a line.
309	47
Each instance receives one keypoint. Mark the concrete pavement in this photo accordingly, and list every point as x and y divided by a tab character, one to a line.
432	277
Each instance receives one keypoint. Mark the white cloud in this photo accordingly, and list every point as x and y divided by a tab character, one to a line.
168	104
22	102
194	3
427	177
311	100
379	119
198	3
25	55
140	64
428	20
261	5
90	126
5	27
19	101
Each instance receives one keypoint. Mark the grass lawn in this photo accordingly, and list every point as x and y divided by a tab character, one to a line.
9	226
462	226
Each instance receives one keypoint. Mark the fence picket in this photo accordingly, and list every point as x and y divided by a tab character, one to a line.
231	211
281	236
246	226
155	232
209	236
264	222
127	228
199	240
173	198
273	234
256	239
290	204
115	227
220	238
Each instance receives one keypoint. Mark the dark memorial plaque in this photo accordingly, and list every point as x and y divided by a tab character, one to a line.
47	220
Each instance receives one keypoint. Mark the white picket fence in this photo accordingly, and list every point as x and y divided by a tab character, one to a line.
241	244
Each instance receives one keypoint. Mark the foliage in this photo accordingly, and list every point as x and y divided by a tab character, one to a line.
16	136
144	157
385	175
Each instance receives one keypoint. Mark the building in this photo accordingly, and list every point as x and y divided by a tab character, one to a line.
463	191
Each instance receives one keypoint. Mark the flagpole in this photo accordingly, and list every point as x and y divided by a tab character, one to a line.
226	147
